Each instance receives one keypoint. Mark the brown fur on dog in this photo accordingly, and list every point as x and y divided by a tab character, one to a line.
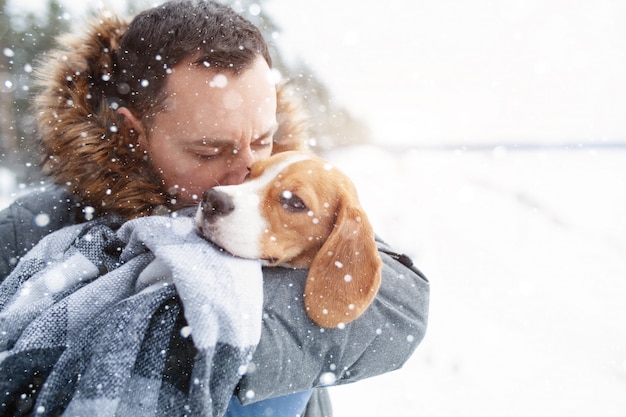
297	210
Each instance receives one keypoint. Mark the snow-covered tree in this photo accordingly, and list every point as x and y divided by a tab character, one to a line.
23	38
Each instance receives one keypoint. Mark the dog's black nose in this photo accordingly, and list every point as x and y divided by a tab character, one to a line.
216	203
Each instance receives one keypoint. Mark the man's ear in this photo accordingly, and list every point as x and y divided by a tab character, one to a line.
132	122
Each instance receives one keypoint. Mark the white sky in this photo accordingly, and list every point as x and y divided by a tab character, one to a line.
432	72
451	71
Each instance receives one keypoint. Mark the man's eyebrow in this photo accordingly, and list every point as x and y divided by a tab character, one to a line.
217	142
210	141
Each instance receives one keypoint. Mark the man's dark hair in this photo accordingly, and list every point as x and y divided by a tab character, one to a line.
211	34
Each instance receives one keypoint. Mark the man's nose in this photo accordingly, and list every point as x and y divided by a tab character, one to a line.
247	156
240	166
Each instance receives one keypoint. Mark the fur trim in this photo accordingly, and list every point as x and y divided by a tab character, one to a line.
293	121
85	145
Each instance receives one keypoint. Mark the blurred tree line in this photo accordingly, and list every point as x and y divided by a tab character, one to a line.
25	36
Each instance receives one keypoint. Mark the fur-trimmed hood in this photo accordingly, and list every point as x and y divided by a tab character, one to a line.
85	145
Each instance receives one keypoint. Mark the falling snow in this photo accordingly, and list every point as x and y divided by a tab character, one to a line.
254	9
185	332
328	378
42	219
525	255
219	81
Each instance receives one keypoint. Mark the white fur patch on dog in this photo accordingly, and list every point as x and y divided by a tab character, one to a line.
240	231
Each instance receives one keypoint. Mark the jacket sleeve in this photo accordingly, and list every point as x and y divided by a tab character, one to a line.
294	354
25	222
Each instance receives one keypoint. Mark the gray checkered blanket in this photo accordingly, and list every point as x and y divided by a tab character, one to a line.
146	319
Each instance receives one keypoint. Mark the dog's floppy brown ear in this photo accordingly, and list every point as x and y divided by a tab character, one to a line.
345	275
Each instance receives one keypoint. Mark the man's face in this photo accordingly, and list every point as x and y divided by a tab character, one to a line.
214	125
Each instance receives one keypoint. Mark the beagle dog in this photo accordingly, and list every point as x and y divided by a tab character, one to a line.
296	210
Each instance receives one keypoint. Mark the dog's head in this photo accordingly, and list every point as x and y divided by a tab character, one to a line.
297	210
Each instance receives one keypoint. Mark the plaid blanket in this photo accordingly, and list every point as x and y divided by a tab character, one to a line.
146	319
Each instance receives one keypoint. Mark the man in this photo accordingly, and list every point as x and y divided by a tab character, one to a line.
139	120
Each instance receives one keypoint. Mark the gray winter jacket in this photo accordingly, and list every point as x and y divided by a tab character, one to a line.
293	353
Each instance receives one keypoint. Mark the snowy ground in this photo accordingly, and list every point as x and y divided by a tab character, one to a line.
525	252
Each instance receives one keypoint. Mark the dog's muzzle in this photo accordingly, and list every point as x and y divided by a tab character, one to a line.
215	204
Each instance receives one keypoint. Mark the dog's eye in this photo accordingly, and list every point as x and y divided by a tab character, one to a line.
292	202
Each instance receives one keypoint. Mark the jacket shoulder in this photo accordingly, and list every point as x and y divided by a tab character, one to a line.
31	217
